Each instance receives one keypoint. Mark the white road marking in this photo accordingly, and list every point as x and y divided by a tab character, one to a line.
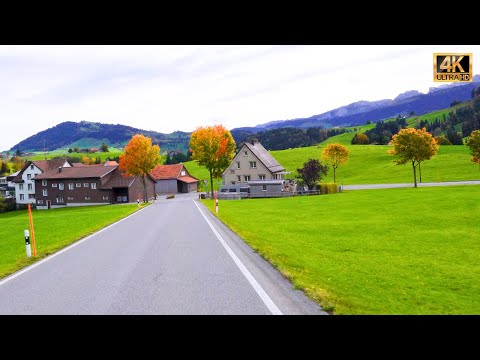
49	257
256	286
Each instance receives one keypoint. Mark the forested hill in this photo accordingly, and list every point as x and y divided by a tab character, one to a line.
90	134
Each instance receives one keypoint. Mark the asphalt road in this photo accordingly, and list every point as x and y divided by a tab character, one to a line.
425	184
164	259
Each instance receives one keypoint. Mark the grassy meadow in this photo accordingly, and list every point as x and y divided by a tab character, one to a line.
54	229
389	251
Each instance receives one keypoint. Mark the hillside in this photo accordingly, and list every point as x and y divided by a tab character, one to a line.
362	111
86	134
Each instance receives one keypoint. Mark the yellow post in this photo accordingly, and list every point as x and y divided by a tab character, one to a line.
32	230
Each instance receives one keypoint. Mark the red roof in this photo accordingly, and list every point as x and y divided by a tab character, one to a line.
111	163
162	172
188	179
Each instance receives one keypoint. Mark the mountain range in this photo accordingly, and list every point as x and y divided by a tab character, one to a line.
88	134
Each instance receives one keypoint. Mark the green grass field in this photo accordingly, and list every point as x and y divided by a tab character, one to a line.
389	251
64	152
54	229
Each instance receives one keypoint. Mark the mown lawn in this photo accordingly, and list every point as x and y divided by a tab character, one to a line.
389	251
371	164
54	229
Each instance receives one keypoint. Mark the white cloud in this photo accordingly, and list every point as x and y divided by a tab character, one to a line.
168	88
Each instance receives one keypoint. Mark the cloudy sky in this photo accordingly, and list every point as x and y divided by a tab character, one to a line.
168	88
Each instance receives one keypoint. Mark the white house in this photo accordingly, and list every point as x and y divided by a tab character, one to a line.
253	162
7	186
25	183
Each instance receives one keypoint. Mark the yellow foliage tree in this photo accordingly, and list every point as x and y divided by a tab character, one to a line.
415	146
335	155
139	158
473	144
214	148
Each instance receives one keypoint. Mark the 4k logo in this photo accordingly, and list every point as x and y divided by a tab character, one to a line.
452	67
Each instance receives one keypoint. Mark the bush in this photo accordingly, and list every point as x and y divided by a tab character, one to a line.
442	140
328	188
7	205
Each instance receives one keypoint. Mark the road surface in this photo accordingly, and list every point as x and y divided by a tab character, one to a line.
172	257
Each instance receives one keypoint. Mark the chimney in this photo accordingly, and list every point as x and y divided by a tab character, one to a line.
253	141
59	169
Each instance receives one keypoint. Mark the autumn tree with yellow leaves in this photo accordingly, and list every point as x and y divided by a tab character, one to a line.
335	155
214	148
473	143
415	146
139	158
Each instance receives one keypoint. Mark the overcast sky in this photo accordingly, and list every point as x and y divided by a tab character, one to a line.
168	88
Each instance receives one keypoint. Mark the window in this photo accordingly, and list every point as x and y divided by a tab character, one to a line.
233	182
70	198
29	187
253	164
232	190
60	186
85	184
238	164
247	177
245	153
182	173
87	197
70	186
44	182
54	185
79	185
22	197
261	177
59	200
105	198
31	167
31	196
29	176
264	187
278	176
239	178
93	185
39	202
45	192
20	187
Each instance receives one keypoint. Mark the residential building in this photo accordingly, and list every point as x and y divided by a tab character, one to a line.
172	179
24	181
253	162
88	185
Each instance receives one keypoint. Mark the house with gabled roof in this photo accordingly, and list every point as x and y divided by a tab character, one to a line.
253	162
24	181
172	179
88	185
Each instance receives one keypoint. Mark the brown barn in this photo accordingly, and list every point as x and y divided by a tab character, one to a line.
171	179
88	185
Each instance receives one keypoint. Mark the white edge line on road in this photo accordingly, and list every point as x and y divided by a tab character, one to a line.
256	286
49	257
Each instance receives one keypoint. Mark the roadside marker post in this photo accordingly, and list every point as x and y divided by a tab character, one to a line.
27	243
216	202
32	230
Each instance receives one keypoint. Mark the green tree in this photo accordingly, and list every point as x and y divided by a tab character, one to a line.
415	146
473	144
70	150
312	172
4	168
104	148
18	152
76	149
214	148
335	155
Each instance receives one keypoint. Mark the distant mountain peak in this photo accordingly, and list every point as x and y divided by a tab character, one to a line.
407	94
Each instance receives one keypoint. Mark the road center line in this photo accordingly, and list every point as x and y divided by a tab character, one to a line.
49	257
256	286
